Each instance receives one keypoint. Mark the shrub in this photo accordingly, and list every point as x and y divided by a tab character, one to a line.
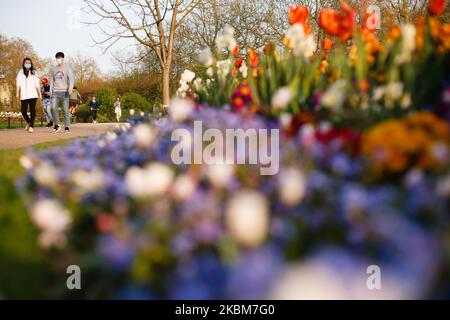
83	113
106	98
135	101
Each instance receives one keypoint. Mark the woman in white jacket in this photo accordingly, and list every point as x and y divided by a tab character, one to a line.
28	91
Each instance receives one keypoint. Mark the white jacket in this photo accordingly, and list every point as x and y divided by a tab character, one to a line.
29	86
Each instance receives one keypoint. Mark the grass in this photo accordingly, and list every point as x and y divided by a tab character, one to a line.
23	268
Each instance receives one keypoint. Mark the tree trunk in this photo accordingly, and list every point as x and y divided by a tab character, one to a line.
166	85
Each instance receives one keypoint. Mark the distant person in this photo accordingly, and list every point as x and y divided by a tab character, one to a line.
118	109
28	91
75	100
46	101
61	88
94	108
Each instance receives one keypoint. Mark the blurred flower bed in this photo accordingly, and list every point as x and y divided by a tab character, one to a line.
364	176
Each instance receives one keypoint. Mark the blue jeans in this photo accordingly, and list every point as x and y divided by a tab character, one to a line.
48	109
64	98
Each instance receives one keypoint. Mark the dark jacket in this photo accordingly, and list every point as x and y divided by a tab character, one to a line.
94	105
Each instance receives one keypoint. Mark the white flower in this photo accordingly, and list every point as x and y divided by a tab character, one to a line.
206	57
26	162
184	187
86	182
198	84
300	43
223	68
50	216
308	135
244	70
440	152
180	109
318	278
378	93
210	72
285	120
408	32
334	97
220	174
292	186
52	239
181	92
394	90
226	39
151	181
144	135
247	217
443	186
281	98
45	175
406	101
187	76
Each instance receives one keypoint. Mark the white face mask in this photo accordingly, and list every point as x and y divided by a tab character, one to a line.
59	61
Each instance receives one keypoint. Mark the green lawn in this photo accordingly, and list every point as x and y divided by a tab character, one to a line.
23	269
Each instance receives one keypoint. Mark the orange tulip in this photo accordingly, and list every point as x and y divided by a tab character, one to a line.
327	43
298	14
253	58
436	7
336	23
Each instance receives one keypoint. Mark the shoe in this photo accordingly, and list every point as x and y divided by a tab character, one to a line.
50	124
67	130
30	130
27	127
56	129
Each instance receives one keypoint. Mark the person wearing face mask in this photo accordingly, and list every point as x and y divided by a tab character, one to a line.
61	87
28	91
94	108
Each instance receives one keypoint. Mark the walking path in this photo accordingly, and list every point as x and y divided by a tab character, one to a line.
19	138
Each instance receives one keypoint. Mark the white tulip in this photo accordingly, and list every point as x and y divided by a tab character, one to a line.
187	76
244	70
247	217
334	97
281	98
206	58
180	109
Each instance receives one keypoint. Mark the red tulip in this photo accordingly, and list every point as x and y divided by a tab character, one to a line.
236	51
298	14
436	7
336	23
238	63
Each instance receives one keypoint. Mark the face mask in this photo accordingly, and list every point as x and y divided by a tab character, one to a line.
59	61
27	65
